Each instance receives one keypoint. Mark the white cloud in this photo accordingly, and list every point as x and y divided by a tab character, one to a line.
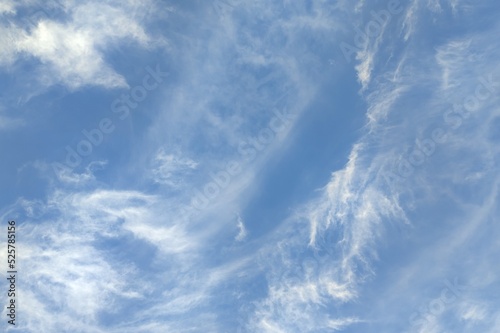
337	232
296	307
7	7
73	269
69	56
473	312
64	271
172	168
68	176
451	58
340	324
242	231
410	21
72	51
353	210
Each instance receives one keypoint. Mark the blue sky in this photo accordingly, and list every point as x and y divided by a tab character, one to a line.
252	166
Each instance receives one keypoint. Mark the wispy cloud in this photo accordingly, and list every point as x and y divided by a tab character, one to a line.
171	169
368	248
70	45
358	206
242	231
